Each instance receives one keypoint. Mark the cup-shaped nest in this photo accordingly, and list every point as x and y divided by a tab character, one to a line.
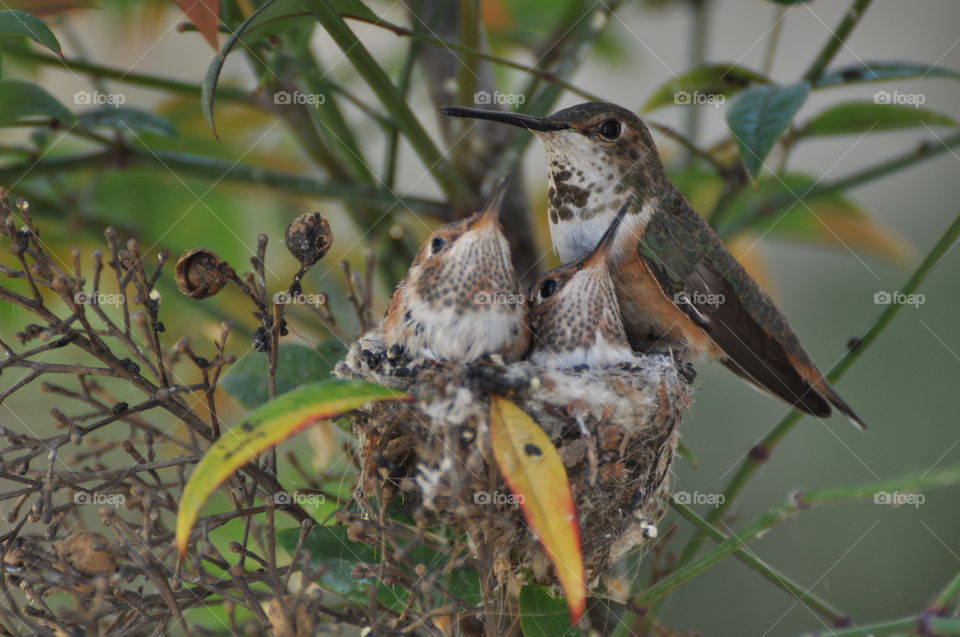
615	430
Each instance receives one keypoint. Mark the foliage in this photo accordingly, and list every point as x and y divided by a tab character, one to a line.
162	179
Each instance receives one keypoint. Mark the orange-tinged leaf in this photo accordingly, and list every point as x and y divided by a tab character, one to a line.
867	234
205	15
263	429
496	15
533	470
745	248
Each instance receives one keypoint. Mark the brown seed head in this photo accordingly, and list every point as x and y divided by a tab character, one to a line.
201	273
308	238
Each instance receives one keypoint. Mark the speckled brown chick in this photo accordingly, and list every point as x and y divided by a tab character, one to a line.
576	317
461	298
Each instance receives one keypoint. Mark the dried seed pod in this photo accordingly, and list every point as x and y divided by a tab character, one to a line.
201	273
88	552
308	238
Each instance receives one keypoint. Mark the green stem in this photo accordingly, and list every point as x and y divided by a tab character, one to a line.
942	603
697	43
922	625
799	502
762	451
773	39
393	135
123	75
450	182
926	150
553	77
200	166
468	69
837	37
809	599
338	132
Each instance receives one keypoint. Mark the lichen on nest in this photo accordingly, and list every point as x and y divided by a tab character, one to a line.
615	429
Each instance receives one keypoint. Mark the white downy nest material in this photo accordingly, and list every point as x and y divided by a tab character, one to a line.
615	429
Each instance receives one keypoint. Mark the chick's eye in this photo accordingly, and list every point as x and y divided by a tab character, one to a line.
610	129
547	288
437	245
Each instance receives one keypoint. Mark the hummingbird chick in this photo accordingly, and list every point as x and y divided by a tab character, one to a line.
678	285
461	298
575	314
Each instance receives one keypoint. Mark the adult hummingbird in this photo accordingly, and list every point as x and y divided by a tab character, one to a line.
575	315
676	281
461	298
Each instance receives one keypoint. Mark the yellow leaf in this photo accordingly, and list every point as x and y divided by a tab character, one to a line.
533	470
263	429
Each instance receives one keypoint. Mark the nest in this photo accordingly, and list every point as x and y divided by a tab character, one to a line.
615	429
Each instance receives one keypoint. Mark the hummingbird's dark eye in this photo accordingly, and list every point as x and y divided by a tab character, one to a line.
547	288
437	245
610	129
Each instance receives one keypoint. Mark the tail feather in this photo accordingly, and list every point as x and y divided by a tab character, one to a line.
827	391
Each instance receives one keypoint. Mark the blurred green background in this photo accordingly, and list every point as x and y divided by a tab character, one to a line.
869	560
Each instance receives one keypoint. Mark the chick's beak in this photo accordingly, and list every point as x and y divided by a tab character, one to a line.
599	254
489	216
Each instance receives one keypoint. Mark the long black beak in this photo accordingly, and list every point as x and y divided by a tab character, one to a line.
539	124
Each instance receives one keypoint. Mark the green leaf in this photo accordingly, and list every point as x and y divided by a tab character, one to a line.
265	428
542	615
879	70
708	81
124	118
296	365
861	117
464	582
758	117
270	19
331	547
19	99
15	22
331	350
